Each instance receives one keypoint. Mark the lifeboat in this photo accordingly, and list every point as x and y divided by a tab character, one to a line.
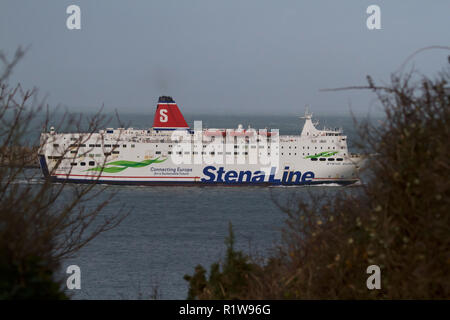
214	132
267	133
241	133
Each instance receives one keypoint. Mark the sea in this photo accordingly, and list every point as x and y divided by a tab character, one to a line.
171	230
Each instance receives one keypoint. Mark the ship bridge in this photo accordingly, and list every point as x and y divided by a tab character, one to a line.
310	130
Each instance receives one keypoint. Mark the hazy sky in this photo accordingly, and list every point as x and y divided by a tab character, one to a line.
218	56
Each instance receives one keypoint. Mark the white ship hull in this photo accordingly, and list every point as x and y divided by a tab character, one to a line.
167	173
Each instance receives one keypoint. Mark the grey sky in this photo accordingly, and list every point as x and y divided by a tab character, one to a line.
218	56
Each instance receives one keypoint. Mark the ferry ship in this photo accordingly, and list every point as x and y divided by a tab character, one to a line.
172	153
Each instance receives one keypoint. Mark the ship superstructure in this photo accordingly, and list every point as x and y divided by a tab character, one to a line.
172	153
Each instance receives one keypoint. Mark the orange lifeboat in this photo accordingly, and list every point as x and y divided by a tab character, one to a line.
214	132
267	133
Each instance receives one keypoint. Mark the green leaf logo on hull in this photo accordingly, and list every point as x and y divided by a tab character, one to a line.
322	154
118	166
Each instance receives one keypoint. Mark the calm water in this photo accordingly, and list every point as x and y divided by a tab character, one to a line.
172	229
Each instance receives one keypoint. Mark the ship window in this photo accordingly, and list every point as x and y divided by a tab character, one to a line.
54	157
342	147
73	139
158	152
115	152
124	145
330	159
56	145
170	152
82	145
73	152
219	152
212	152
73	164
115	145
109	131
132	145
186	152
92	163
179	152
235	147
229	153
235	153
91	145
289	153
339	159
322	159
107	146
107	153
98	145
246	153
313	159
82	163
289	147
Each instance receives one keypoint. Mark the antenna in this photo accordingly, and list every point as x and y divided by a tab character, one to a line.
308	114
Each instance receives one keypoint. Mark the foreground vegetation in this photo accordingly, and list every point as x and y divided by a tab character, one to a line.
41	223
398	221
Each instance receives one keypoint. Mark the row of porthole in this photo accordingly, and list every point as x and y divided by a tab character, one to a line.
55	145
316	147
91	163
325	159
97	155
203	152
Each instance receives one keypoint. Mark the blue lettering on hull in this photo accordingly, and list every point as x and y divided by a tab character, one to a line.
214	175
